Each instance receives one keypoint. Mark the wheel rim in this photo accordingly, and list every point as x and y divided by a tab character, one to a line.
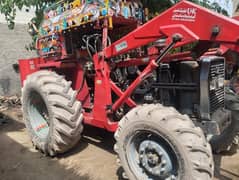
38	115
150	156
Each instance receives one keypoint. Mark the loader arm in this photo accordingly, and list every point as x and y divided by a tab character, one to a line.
193	22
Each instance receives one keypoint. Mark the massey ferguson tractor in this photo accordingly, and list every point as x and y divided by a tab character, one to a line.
162	85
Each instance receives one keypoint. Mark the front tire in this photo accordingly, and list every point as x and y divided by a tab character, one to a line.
157	142
51	112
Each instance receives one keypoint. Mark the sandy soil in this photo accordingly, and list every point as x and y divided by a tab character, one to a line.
92	159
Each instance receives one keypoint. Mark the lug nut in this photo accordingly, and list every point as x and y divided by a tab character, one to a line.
158	172
162	170
163	162
172	177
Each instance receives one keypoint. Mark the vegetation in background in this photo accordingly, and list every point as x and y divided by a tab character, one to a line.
8	8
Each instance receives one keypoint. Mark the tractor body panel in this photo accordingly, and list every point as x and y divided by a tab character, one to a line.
104	99
160	85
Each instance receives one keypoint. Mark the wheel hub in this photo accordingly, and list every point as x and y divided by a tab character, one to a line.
38	114
154	159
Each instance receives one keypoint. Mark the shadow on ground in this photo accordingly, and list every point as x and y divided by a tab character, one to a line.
94	136
92	159
18	160
222	172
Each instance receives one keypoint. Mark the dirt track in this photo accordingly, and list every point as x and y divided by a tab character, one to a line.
92	159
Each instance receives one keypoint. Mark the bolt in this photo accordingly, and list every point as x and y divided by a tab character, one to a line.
177	37
141	156
164	162
158	172
160	153
172	177
162	170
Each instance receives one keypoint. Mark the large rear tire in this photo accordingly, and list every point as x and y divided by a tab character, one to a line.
157	142
51	112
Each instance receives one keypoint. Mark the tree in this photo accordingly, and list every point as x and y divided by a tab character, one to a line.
8	7
159	6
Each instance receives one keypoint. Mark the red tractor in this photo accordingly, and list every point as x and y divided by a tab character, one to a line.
159	85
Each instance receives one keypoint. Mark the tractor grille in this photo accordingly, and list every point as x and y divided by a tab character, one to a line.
216	96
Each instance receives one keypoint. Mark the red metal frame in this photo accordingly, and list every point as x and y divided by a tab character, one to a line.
192	22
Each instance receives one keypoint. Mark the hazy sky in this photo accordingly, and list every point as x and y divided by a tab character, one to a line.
227	4
24	17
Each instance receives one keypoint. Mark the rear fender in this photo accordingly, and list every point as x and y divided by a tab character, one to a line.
27	67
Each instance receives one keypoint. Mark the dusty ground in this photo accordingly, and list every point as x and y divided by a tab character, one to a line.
91	159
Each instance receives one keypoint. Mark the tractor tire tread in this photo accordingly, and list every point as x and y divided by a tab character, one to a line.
200	156
66	112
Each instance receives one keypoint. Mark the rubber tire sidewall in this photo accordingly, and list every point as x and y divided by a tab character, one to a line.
178	149
37	141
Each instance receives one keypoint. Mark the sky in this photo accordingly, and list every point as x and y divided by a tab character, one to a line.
226	4
24	17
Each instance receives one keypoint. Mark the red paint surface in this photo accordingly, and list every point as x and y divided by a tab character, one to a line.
192	22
